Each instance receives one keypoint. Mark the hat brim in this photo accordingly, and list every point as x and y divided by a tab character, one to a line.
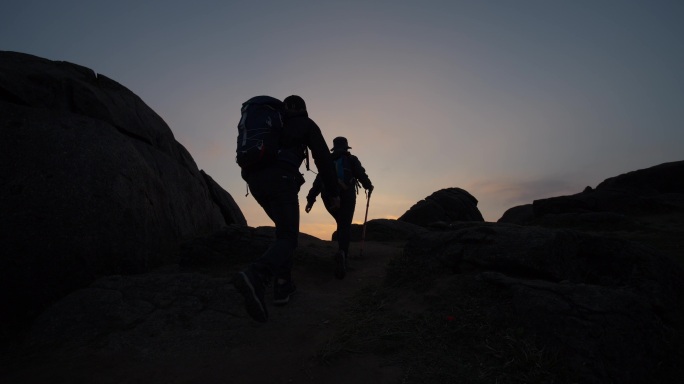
334	148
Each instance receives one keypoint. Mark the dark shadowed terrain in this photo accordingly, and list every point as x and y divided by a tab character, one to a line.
187	325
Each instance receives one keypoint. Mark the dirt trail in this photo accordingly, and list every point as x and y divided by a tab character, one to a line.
286	346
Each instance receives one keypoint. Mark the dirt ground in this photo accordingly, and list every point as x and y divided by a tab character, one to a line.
283	350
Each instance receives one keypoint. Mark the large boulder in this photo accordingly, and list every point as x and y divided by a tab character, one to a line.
229	208
613	310
518	214
92	182
660	179
236	244
446	206
655	190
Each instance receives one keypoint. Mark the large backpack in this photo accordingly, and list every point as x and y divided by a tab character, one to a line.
259	131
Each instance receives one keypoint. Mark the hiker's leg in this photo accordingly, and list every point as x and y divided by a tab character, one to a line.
326	203
276	191
344	220
335	215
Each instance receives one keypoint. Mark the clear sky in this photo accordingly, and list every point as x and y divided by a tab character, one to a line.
509	100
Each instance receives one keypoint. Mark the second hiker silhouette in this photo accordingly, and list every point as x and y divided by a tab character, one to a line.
350	173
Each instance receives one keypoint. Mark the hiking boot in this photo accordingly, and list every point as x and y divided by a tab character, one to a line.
340	264
282	292
251	286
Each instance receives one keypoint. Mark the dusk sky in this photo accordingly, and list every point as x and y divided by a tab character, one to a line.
509	100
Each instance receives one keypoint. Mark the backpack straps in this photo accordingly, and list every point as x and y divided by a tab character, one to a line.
306	150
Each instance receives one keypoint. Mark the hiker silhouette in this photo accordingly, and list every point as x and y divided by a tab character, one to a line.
350	173
275	186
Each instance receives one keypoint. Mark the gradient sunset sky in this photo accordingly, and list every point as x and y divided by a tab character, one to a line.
509	100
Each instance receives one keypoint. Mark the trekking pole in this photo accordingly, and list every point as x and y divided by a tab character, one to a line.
365	219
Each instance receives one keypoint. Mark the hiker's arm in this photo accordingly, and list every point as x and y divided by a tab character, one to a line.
315	190
324	164
360	173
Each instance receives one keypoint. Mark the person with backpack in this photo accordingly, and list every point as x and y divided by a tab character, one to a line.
349	173
273	139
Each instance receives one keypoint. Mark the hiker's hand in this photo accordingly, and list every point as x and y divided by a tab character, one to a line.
308	207
370	190
334	203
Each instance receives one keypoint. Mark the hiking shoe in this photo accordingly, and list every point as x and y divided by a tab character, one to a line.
282	292
251	286
340	264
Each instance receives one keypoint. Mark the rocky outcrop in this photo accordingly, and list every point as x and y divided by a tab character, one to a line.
235	243
172	311
446	206
654	190
383	230
229	208
518	214
661	179
612	309
92	182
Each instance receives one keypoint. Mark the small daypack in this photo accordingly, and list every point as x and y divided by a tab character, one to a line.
259	131
345	175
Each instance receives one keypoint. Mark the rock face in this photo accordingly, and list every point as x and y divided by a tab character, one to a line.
92	182
519	214
229	209
239	243
383	230
659	189
446	205
613	309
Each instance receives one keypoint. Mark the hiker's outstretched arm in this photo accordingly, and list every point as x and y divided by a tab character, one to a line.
360	173
324	164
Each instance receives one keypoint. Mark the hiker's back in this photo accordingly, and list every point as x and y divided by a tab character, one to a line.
264	139
345	172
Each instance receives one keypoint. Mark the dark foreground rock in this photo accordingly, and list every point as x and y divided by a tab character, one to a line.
605	310
117	312
446	205
614	310
193	301
187	324
93	183
233	244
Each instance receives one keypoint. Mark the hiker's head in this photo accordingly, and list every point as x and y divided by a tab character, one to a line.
295	103
340	144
